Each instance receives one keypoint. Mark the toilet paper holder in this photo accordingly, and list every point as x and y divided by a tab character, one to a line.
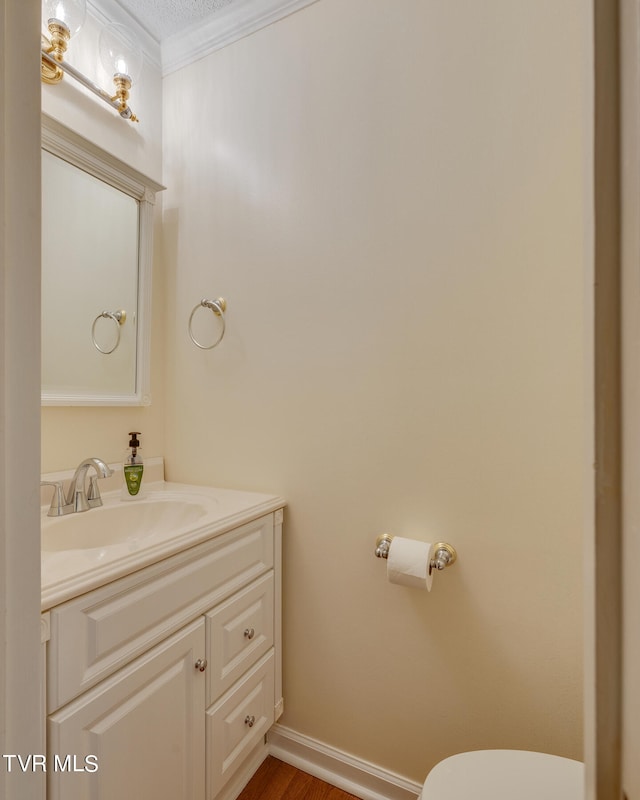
444	554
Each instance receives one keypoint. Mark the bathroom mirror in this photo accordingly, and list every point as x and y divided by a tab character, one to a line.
96	274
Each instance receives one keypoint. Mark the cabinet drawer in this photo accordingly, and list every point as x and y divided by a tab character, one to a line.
239	631
237	722
94	635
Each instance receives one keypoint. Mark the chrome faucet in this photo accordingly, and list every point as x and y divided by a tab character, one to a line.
78	498
59	505
77	494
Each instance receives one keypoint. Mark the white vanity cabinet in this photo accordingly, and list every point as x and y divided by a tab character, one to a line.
163	683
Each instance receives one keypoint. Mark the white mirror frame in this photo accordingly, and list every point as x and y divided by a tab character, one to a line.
70	146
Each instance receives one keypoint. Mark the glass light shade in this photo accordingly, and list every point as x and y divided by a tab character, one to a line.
70	12
120	54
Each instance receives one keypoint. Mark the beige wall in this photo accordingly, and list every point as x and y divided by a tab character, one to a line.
71	434
391	196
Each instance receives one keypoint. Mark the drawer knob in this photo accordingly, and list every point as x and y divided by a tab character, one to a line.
201	664
250	720
249	633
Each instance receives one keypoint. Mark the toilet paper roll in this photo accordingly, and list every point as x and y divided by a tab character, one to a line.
408	563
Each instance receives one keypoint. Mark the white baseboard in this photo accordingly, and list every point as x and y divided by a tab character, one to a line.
348	773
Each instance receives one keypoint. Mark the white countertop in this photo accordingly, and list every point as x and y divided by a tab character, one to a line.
138	541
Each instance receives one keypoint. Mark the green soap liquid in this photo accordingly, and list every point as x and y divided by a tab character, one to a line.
133	477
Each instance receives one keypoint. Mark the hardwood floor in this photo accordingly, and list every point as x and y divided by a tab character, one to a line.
276	780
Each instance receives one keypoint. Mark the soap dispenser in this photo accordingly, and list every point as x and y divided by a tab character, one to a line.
132	468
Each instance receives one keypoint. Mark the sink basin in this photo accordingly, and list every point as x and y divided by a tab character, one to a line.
83	551
122	522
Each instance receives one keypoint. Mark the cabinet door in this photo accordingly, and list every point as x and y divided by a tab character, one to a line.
143	728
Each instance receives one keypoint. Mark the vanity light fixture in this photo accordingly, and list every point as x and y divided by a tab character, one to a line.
122	58
119	53
64	20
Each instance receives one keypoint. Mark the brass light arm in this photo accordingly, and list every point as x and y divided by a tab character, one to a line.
54	48
50	63
123	84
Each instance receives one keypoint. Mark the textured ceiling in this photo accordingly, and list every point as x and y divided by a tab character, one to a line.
162	18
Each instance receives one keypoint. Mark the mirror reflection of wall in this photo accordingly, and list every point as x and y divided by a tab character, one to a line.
97	235
89	265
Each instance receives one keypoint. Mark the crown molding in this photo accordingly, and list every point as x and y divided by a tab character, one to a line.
223	28
106	11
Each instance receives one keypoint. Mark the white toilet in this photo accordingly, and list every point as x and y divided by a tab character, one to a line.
505	775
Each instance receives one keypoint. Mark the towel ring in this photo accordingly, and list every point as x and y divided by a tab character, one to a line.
119	317
218	307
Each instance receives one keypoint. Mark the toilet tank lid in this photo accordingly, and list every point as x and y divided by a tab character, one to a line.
505	775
